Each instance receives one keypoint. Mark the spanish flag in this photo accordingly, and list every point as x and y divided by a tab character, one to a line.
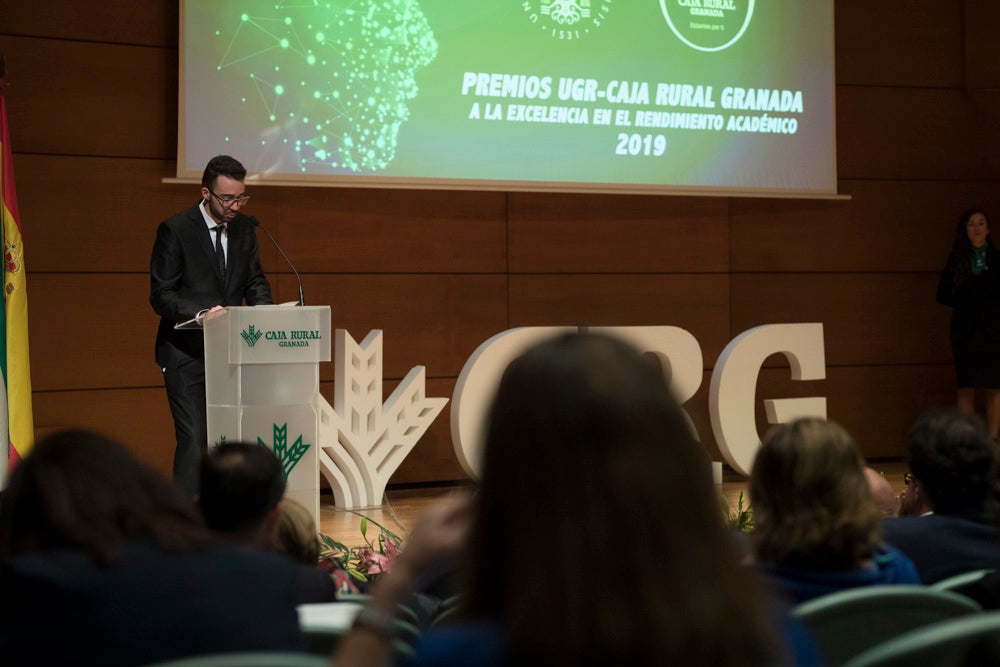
16	389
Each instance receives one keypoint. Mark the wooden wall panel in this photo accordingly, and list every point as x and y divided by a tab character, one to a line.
432	320
551	233
697	303
868	318
84	98
916	134
145	22
982	66
139	418
876	404
886	225
91	331
88	214
348	230
899	43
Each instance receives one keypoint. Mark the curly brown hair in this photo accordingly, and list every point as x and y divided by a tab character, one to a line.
811	502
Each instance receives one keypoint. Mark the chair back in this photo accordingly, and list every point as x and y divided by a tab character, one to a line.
959	580
846	623
959	642
448	610
324	623
249	659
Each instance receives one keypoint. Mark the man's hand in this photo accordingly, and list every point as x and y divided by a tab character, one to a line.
205	314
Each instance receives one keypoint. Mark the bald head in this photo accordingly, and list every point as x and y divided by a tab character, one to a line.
882	493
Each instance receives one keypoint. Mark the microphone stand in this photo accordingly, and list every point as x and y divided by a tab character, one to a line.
256	223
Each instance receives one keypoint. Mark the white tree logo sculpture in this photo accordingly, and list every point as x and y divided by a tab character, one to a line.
365	439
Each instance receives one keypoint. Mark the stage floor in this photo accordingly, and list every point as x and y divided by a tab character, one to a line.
403	505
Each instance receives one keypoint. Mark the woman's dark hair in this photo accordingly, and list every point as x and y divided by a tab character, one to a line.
961	249
635	565
81	490
811	501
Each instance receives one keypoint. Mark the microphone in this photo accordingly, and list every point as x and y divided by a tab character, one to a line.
256	223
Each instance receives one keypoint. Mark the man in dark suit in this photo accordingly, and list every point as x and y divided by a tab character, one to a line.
203	259
953	469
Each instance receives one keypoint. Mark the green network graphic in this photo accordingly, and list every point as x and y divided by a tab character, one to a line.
332	79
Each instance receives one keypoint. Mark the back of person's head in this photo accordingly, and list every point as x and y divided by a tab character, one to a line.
811	502
635	563
81	490
297	534
241	484
953	458
222	165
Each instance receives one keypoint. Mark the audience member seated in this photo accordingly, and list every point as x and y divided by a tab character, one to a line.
953	467
635	568
295	533
297	536
885	499
240	492
817	527
103	561
241	486
912	501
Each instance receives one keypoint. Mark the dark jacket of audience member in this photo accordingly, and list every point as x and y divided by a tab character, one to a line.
103	561
240	493
953	463
817	527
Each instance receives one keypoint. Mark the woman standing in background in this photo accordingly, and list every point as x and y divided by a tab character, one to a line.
970	284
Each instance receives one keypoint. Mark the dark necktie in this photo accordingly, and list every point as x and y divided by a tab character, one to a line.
220	254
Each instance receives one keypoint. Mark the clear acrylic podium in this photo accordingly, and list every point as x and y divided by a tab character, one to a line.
262	386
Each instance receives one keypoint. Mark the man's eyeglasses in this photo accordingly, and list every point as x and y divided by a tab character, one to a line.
908	479
228	201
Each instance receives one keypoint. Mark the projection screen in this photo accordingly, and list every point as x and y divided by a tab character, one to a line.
641	96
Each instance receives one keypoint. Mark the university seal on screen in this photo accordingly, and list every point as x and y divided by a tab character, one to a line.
567	20
708	25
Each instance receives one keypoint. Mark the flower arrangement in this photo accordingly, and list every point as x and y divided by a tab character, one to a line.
740	519
364	563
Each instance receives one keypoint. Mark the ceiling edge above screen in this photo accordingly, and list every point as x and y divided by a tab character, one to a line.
700	97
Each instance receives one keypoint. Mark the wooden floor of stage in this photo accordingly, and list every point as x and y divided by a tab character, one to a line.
403	505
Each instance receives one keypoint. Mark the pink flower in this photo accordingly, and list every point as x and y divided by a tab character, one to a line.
372	562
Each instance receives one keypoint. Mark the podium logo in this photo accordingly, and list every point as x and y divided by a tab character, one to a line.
567	20
288	456
251	335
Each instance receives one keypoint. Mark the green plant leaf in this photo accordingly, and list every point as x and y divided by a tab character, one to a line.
395	538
